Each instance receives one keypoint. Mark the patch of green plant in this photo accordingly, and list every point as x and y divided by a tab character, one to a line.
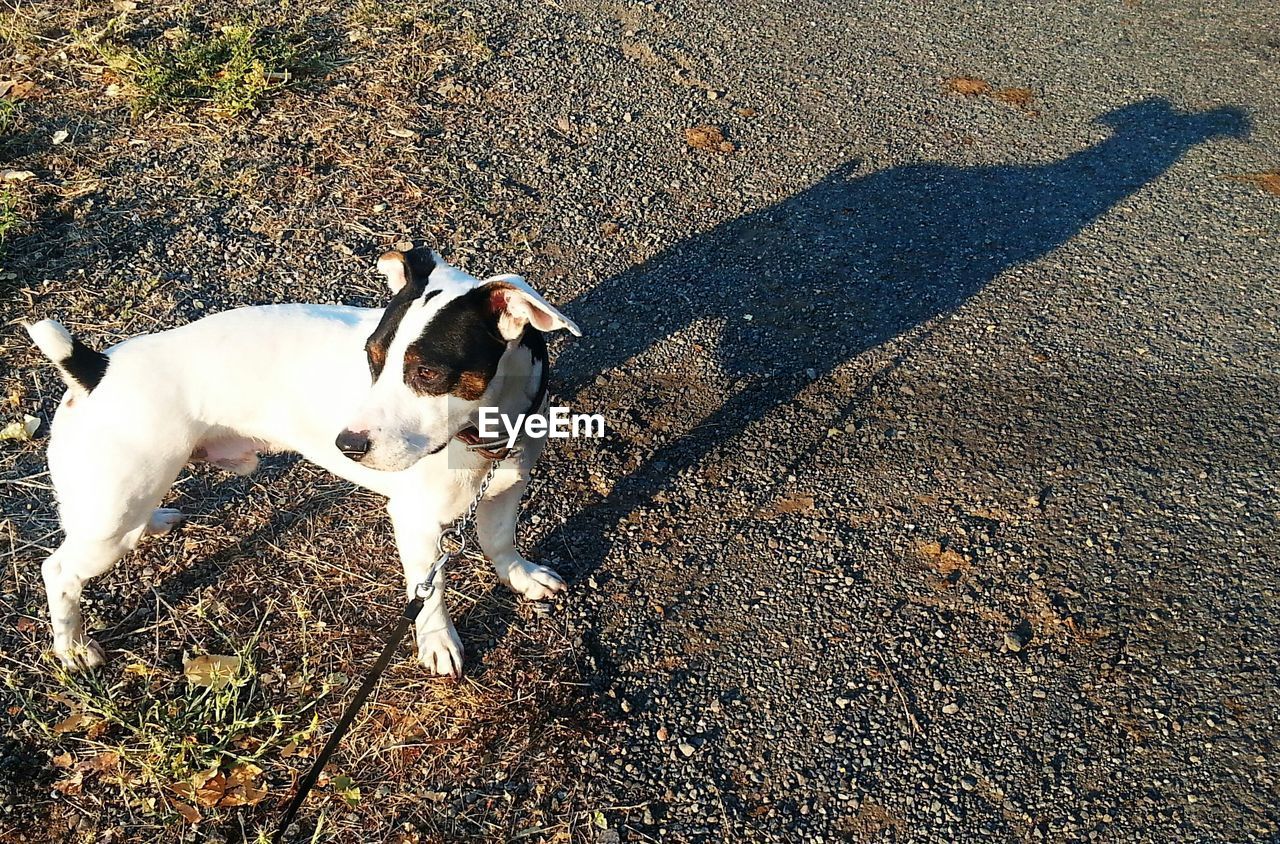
232	69
10	217
9	111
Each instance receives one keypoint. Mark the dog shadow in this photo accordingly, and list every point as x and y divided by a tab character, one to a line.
803	286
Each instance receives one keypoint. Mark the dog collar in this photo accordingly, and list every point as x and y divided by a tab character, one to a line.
493	449
490	450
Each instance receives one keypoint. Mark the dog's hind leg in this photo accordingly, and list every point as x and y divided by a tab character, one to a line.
107	499
65	573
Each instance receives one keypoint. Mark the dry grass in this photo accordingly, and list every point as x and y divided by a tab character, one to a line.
428	760
287	123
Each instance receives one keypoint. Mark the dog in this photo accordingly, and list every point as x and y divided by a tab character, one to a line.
385	398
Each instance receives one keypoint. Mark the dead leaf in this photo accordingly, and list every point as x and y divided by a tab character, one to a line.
211	670
243	773
18	90
1269	181
211	790
71	723
1019	97
105	761
189	813
242	786
60	137
62	760
969	86
946	561
402	133
26	625
18	175
803	504
707	137
610	229
288	750
124	6
22	431
71	785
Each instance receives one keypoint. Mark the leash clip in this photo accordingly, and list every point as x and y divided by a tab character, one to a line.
427	587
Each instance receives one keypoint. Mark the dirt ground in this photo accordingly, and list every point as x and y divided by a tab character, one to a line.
939	373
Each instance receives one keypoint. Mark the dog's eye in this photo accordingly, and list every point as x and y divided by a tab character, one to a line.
426	373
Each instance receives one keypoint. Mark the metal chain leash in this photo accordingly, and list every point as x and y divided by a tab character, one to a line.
457	534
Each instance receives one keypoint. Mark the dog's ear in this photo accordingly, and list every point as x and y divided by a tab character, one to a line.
517	305
395	267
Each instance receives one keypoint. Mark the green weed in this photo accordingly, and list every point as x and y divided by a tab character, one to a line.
232	69
10	217
9	113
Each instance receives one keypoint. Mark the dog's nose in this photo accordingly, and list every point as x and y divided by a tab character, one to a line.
354	444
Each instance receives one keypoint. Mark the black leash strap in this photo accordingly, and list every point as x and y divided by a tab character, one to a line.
410	613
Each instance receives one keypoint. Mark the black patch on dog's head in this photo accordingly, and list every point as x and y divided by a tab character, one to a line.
420	264
458	351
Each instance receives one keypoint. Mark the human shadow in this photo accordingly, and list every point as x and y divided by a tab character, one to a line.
844	266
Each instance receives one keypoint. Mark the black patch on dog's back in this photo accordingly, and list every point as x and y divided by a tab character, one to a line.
86	366
420	266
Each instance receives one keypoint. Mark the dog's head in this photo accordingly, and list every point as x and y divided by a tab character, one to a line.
445	347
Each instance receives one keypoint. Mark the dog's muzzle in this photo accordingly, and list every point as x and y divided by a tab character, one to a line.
354	444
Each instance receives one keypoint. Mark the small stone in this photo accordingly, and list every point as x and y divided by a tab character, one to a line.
951	708
662	734
687	749
380	207
830	738
1019	636
404	245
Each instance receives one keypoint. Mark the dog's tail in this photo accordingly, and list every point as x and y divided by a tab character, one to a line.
81	367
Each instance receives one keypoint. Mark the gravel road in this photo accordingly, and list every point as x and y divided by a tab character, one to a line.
939	501
955	512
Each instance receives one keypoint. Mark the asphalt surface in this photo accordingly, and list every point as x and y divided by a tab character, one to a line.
939	501
916	377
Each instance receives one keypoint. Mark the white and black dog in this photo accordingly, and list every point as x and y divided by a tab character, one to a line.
297	378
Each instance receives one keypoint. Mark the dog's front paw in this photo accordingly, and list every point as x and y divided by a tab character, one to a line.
80	654
532	581
440	650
